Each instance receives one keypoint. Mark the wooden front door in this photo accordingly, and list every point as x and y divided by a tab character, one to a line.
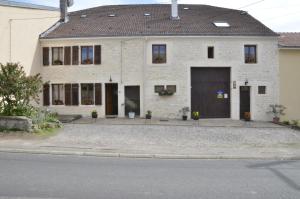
132	99
111	99
244	101
210	92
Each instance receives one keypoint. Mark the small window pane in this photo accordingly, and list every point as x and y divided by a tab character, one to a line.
262	90
87	55
159	88
210	52
57	56
87	94
250	54
159	54
58	94
171	88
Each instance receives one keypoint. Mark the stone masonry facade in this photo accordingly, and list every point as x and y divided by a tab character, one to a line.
128	61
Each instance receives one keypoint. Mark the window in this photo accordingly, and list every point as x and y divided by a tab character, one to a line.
159	54
159	88
58	94
210	52
171	88
262	90
67	58
57	56
97	54
87	55
71	94
87	94
75	55
46	95
250	54
221	24
46	56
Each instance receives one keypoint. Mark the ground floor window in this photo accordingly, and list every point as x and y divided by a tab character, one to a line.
87	94
58	92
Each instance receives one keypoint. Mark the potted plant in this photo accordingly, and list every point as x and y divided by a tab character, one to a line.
277	110
94	114
247	116
131	115
196	115
148	115
184	112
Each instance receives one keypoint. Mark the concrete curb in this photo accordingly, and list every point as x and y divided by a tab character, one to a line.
142	156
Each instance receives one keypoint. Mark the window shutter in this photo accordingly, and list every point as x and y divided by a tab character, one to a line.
46	56
75	94
75	55
67	58
98	94
68	94
97	54
46	95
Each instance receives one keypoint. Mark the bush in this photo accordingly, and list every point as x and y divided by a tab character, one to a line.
45	119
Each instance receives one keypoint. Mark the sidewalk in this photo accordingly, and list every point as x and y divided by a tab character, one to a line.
172	139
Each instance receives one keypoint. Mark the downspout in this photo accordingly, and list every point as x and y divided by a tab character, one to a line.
144	74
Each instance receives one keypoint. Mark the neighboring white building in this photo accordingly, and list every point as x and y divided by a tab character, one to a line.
116	59
20	27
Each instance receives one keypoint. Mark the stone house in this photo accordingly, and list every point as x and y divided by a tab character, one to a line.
115	59
289	64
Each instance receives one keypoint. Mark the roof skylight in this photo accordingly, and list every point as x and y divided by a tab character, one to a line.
147	14
112	15
221	24
186	8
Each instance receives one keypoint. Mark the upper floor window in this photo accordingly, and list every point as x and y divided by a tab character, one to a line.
159	54
87	55
250	54
210	52
57	56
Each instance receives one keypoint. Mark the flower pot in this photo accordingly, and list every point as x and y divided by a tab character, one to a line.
276	120
131	115
247	116
94	115
148	117
184	117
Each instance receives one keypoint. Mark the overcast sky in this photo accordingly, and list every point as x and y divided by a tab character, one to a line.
279	15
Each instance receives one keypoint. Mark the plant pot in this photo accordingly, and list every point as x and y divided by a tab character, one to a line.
131	115
247	116
184	117
276	120
148	117
94	115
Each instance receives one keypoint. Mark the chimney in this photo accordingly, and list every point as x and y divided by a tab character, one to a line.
63	11
175	10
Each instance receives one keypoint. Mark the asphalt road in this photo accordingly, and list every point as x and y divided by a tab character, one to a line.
25	176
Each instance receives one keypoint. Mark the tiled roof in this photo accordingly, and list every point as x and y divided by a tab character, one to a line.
130	20
289	40
26	5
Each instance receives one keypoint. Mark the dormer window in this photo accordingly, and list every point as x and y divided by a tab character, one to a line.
221	24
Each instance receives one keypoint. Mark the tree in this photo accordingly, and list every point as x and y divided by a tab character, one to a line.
17	90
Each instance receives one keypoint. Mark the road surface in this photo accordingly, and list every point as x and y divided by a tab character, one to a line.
25	176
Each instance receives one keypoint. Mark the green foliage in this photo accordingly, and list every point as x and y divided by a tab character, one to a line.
44	119
286	122
17	90
295	122
196	115
277	110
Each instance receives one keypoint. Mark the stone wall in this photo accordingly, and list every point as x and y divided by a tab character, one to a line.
15	123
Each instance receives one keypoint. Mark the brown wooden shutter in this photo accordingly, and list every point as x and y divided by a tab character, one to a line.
68	96
75	94
75	55
46	94
98	94
46	56
67	57
97	54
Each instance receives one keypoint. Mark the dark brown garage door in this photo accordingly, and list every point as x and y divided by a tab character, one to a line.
210	92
